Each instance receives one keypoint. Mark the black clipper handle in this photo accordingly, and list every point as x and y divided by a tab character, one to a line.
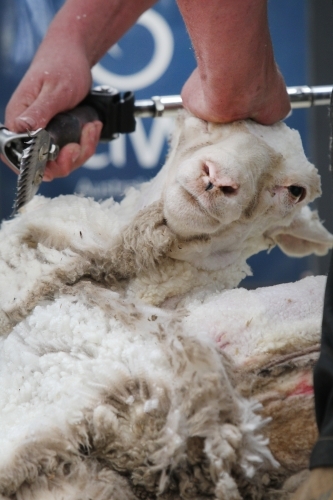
116	112
66	127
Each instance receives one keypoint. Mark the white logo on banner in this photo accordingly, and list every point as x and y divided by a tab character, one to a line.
147	146
163	51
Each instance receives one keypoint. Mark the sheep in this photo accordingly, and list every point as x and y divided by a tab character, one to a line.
101	375
173	236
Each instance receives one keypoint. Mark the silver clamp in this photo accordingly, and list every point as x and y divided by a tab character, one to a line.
159	106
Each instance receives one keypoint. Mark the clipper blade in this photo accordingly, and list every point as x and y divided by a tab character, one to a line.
32	167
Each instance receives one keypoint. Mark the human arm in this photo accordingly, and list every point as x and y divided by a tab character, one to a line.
236	75
60	74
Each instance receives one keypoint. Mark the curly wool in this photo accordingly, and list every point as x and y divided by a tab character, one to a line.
126	406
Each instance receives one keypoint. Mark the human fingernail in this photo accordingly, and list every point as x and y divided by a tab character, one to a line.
75	151
75	155
47	175
98	128
30	122
92	133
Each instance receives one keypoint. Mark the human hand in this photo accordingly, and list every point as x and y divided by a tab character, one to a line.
319	486
267	103
56	81
60	77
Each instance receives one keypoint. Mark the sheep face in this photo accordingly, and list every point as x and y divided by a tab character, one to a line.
229	175
215	185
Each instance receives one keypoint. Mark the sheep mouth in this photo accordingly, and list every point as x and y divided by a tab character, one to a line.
196	202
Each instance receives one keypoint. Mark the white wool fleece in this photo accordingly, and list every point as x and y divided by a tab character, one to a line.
93	369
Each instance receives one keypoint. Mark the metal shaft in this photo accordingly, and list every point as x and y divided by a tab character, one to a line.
300	97
305	97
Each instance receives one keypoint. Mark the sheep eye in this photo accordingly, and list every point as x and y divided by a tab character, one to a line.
209	186
298	192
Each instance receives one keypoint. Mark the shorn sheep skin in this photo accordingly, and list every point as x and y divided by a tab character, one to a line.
129	368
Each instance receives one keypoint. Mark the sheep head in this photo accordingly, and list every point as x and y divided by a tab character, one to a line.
242	184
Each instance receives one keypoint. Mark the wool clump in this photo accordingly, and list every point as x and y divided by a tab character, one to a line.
129	366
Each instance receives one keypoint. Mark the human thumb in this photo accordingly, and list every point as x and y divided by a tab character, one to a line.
39	113
22	116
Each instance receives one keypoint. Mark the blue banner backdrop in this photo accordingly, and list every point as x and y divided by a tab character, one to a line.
154	58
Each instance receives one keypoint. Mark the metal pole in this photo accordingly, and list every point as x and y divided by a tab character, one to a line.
300	97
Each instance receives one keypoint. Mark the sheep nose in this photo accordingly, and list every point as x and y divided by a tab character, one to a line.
215	179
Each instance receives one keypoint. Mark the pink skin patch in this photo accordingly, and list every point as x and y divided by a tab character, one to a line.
218	336
223	346
303	388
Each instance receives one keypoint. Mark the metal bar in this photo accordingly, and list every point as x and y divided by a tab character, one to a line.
300	97
158	106
305	97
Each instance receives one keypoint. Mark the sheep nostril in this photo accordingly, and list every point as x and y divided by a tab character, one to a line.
228	189
209	186
206	169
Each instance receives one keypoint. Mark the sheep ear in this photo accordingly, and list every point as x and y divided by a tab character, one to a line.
304	236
